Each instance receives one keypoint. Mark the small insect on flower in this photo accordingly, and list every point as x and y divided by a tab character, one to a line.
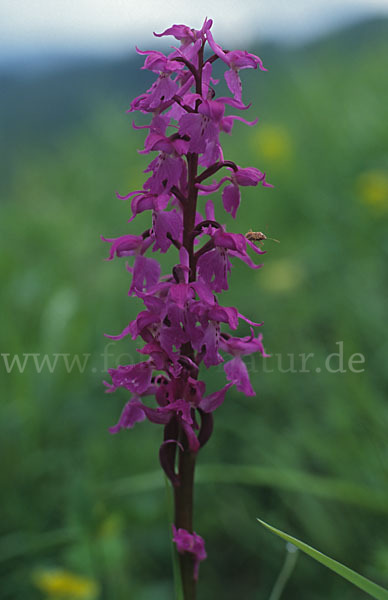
258	236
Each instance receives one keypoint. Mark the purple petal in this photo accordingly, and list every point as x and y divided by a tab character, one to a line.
146	273
132	413
234	83
126	245
179	293
231	199
136	378
211	342
191	437
213	401
192	543
216	48
167	222
180	32
227	122
213	268
203	292
236	371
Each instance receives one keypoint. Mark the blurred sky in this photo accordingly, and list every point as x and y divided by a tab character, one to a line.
114	26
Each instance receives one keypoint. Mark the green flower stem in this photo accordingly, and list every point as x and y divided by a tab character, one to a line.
285	573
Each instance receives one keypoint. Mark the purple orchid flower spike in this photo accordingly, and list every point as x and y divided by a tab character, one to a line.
182	329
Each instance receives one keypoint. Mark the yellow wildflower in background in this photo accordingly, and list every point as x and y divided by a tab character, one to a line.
272	142
372	188
283	275
58	583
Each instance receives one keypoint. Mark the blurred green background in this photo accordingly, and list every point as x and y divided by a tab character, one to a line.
84	513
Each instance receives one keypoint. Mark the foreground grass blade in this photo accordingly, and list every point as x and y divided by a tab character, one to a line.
358	580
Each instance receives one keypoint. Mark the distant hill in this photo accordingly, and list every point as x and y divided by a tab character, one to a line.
37	108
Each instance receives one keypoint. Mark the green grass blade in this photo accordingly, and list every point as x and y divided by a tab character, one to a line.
339	490
358	580
174	555
21	544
